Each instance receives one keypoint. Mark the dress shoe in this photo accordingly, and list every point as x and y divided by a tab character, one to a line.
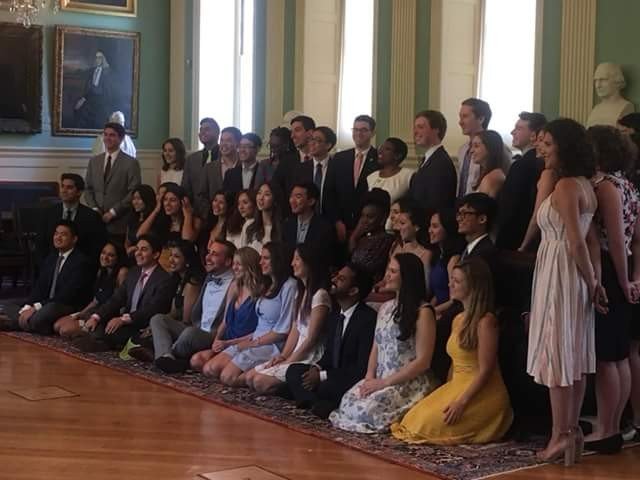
607	446
141	353
172	365
89	344
323	409
5	322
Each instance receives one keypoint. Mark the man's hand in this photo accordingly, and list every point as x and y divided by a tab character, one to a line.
91	324
23	319
114	324
107	217
311	378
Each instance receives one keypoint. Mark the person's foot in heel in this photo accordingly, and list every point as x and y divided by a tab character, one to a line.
170	364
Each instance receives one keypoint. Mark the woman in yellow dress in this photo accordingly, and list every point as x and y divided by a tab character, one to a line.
473	406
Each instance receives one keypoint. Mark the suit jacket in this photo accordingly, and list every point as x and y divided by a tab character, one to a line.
284	176
115	191
156	297
354	350
484	249
74	286
517	200
201	181
233	179
433	186
304	174
348	195
92	233
321	235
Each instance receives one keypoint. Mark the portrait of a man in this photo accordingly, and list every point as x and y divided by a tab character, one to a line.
96	74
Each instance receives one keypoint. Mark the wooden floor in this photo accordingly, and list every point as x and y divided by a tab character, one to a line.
177	436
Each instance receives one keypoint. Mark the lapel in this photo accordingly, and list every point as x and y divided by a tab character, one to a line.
351	327
369	165
149	284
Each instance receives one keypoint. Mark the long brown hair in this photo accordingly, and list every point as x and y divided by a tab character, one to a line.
480	285
253	279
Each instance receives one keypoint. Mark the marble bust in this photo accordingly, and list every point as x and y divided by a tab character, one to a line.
609	82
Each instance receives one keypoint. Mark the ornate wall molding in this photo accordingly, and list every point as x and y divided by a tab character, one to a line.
577	58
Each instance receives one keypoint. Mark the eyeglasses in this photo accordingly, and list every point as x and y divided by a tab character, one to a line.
465	213
317	140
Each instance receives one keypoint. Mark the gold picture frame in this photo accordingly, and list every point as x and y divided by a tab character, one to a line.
125	8
84	97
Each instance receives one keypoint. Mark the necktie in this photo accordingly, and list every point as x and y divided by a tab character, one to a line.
67	214
217	280
205	157
464	173
337	341
357	165
52	290
317	179
137	292
465	254
517	157
107	169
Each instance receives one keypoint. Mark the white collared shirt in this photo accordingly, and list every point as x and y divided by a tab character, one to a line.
97	73
247	174
427	155
473	244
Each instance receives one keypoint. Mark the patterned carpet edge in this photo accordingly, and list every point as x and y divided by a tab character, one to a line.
466	462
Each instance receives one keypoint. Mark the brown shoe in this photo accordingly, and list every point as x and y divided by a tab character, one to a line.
141	353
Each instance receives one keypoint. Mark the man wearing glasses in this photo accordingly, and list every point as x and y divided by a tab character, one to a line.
244	176
475	216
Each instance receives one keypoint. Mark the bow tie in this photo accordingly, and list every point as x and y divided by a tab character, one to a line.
217	280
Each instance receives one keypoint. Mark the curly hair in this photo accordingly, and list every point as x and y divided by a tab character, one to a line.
575	155
612	150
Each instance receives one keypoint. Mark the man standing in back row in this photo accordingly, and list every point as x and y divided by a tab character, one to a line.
111	178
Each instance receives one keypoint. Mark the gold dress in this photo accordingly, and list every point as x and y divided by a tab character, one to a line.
485	419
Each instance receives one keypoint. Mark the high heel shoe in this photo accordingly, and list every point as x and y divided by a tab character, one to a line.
607	446
579	443
566	450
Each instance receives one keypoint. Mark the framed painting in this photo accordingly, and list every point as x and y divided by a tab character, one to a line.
97	73
20	78
105	7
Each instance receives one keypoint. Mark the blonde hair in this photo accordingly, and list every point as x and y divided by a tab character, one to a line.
480	285
252	278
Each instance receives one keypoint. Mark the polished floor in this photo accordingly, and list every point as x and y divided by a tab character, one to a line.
117	427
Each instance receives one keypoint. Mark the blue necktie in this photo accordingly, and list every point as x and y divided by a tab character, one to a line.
317	179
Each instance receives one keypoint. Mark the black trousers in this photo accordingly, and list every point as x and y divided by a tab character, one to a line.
330	391
117	339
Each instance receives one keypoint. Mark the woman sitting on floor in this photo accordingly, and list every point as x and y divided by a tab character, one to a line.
111	274
275	310
304	343
240	318
473	406
399	373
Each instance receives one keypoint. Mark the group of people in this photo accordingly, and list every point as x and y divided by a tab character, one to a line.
372	294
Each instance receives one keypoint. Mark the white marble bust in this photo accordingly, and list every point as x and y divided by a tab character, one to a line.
609	82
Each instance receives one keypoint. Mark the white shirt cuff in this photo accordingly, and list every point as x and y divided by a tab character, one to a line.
113	212
24	307
323	375
126	318
37	306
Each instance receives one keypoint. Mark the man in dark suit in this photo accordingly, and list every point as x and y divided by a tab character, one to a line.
518	196
476	215
148	289
110	180
351	169
244	176
94	105
347	347
63	287
433	186
202	176
306	226
320	171
92	233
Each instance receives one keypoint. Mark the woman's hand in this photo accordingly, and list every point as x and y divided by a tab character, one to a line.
275	361
454	411
187	208
218	346
370	386
599	298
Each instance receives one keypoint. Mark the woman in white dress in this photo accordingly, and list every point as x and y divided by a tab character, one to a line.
241	218
561	323
391	177
304	343
173	158
267	220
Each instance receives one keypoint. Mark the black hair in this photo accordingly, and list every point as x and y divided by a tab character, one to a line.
284	134
418	217
412	294
575	155
77	180
253	138
378	199
482	204
212	220
235	133
454	243
313	192
151	239
329	135
362	280
480	108
317	277
235	221
194	273
255	231
148	197
400	148
181	153
307	122
368	119
436	120
71	225
280	267
119	129
211	122
492	141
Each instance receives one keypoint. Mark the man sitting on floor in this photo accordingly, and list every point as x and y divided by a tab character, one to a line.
206	314
148	289
348	344
63	287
